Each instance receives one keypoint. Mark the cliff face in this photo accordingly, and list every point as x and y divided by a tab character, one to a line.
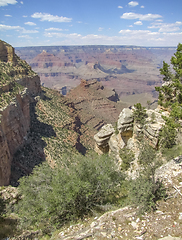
95	104
7	53
14	126
18	87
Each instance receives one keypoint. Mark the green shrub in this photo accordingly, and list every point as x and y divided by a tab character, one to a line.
139	114
116	128
146	190
2	207
168	133
127	157
170	153
68	191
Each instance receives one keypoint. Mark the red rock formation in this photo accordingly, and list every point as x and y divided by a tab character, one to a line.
48	60
14	126
92	103
15	117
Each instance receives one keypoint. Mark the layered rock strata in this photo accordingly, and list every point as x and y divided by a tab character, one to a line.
15	106
102	138
128	131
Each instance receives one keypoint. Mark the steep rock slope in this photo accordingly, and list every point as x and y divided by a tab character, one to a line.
55	130
96	105
18	85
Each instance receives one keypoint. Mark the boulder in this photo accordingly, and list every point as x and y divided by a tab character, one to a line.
102	138
153	126
125	121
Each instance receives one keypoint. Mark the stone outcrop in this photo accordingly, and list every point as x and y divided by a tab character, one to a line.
102	138
7	53
14	116
128	131
14	126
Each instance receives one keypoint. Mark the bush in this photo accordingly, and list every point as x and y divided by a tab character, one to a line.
127	157
168	133
69	191
139	114
2	206
146	190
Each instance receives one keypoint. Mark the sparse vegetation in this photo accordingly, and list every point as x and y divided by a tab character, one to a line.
139	113
77	186
145	191
127	157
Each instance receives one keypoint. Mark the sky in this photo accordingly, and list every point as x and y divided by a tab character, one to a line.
91	22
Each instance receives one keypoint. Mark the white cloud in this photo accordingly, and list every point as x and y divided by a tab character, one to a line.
53	29
133	3
29	31
130	25
21	2
158	20
135	37
138	23
142	6
100	29
79	21
166	27
16	28
120	7
142	17
50	18
25	36
25	16
61	35
6	2
6	27
30	23
7	15
128	31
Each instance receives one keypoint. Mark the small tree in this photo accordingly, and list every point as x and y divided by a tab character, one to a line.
139	113
176	61
165	70
168	94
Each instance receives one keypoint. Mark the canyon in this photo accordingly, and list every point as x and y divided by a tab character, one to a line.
42	129
132	71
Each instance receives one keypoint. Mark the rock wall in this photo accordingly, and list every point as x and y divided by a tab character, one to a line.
14	126
7	53
15	117
128	132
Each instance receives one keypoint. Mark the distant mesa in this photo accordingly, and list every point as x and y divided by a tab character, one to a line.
46	60
122	70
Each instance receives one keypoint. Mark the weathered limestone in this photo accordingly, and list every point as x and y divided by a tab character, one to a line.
153	126
7	53
14	126
32	83
125	120
130	131
15	117
102	138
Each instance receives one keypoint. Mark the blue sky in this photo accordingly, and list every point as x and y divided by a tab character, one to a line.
82	22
